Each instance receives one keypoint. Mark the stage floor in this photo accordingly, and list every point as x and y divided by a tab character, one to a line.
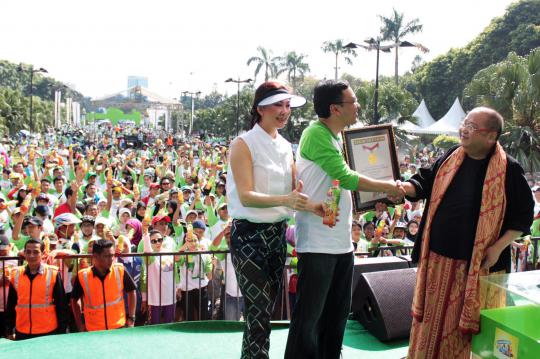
211	339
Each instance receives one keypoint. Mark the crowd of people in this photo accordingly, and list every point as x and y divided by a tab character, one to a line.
135	218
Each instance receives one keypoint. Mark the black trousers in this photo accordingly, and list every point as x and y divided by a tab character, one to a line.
258	255
194	311
323	302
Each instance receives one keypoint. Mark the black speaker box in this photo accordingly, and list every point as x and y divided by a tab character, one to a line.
366	265
382	302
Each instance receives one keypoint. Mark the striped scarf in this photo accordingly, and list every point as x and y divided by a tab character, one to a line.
492	210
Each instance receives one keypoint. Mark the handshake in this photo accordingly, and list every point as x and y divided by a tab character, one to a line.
395	190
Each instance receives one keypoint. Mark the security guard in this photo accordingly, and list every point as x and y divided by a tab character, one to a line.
102	288
36	302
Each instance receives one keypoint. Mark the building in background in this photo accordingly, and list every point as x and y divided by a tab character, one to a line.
137	81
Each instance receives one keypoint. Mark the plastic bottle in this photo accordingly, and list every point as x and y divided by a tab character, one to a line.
109	175
4	205
380	228
148	214
76	235
120	243
25	206
397	212
47	244
210	183
189	232
332	203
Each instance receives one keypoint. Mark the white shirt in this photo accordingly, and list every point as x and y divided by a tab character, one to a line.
272	174
311	234
195	274
231	284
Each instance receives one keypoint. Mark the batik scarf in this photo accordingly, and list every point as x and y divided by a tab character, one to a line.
492	210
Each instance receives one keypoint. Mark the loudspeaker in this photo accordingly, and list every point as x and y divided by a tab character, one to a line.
375	264
383	302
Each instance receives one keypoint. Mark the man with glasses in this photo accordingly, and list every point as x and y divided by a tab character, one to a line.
102	287
325	254
478	203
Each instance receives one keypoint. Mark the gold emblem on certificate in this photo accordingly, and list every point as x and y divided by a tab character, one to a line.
372	157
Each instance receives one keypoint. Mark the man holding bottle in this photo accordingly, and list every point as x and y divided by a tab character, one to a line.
325	254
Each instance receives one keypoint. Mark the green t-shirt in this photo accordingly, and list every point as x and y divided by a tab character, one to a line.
317	146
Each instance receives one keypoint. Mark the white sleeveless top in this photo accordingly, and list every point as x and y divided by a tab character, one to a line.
272	174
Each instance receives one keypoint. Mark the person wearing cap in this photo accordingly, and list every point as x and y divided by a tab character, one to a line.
221	192
34	229
87	234
325	261
36	304
64	228
116	203
195	274
161	223
199	228
262	194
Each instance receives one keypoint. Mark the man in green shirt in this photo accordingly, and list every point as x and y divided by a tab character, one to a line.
325	263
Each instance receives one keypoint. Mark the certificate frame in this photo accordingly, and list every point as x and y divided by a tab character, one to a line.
380	162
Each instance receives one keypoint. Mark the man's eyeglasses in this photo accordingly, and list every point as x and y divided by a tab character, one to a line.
155	241
343	102
162	183
472	128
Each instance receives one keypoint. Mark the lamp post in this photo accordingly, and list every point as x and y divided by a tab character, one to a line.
375	44
238	82
185	93
32	71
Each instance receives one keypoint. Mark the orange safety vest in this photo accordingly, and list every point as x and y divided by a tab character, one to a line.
35	310
103	300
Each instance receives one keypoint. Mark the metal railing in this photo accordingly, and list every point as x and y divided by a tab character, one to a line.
72	264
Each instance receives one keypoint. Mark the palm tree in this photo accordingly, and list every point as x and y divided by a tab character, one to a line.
265	59
512	87
293	64
336	47
395	29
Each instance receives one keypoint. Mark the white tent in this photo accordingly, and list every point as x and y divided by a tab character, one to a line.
448	124
408	126
423	117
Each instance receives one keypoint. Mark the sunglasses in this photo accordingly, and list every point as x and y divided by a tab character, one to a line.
155	241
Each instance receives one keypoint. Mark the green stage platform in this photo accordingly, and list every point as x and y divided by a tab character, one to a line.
193	340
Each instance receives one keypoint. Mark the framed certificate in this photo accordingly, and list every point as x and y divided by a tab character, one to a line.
371	151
